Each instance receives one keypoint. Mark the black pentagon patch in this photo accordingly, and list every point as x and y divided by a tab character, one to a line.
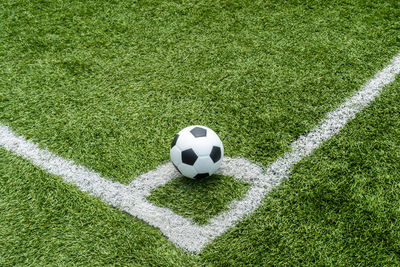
189	157
201	175
215	154
198	132
174	141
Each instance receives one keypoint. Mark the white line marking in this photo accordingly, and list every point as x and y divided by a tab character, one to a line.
183	231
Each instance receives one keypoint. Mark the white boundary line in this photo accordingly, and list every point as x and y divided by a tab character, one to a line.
183	231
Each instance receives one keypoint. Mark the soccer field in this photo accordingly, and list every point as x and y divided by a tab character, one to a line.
305	96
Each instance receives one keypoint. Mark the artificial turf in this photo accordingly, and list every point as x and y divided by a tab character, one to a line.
199	199
109	83
339	207
47	222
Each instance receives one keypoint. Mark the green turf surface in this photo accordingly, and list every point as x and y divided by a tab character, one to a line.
109	83
199	199
44	221
340	206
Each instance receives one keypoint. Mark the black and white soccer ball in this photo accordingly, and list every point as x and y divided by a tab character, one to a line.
197	152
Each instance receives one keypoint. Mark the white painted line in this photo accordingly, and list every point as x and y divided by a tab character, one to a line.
183	231
85	179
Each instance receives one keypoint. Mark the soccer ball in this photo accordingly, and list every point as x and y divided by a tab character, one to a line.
197	152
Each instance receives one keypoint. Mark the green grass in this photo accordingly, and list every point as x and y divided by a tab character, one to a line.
339	207
47	222
199	199
108	84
